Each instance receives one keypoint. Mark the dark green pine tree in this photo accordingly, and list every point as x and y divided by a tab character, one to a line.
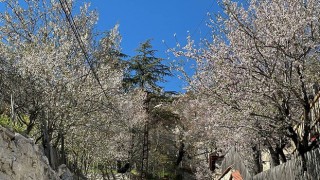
145	70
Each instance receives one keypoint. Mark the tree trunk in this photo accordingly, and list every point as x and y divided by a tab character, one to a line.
304	146
63	152
275	160
45	140
257	159
279	151
180	154
32	119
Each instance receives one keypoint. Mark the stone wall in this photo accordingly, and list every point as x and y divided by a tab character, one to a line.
21	159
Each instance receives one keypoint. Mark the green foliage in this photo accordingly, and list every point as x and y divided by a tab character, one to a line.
7	122
145	70
135	172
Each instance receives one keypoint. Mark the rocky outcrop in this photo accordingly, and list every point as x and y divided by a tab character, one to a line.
21	159
64	173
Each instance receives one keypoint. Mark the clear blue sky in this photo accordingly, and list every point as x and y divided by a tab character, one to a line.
157	19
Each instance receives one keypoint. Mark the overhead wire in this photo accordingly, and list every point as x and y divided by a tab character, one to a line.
203	18
70	19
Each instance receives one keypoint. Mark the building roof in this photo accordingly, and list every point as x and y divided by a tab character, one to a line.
236	175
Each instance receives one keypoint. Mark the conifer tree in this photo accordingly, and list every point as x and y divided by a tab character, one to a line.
145	69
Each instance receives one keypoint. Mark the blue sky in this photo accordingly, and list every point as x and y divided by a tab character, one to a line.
143	19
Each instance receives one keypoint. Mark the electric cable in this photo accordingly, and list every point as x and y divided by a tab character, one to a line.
70	19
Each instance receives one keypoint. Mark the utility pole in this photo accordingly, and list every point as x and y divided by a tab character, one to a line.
145	152
145	148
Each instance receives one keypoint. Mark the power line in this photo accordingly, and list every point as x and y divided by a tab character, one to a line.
203	18
70	19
